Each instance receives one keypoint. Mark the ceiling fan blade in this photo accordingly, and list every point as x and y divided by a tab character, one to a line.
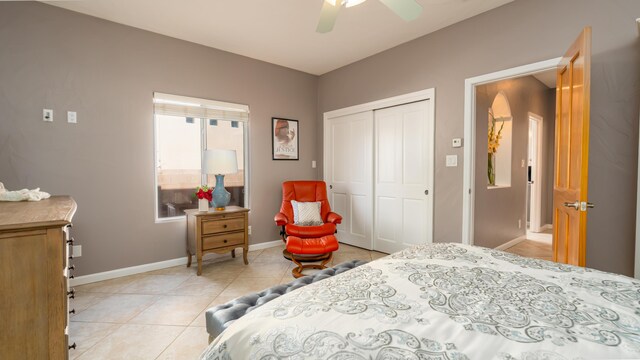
328	16
407	9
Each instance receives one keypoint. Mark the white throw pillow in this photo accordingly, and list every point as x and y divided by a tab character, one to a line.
306	213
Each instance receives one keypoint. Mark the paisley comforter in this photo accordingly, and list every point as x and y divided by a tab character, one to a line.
446	301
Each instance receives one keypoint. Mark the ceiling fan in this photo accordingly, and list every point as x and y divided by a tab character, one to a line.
407	9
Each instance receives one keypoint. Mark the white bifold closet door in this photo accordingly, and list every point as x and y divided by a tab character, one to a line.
403	175
349	176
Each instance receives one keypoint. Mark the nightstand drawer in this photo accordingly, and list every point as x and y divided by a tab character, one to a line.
218	226
223	240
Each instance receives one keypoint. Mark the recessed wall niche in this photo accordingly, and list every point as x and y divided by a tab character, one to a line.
499	143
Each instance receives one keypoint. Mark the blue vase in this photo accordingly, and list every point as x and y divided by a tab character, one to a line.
221	196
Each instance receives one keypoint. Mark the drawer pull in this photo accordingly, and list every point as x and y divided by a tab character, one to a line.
225	241
71	294
72	346
72	311
225	226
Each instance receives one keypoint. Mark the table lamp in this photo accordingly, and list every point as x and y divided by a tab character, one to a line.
220	162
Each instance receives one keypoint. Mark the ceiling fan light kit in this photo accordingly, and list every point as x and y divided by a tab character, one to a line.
408	10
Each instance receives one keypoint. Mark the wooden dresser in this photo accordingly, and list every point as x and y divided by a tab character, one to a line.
34	255
217	231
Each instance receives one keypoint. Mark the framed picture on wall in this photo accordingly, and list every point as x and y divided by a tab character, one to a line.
285	139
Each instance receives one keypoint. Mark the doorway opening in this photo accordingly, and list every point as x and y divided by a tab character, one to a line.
514	214
539	188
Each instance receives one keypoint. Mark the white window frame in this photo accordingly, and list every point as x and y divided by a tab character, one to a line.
207	104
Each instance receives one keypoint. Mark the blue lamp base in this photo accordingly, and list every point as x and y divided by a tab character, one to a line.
221	196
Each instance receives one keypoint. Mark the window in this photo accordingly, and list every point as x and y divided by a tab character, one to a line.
184	129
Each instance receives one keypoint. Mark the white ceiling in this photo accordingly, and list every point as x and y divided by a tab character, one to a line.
283	31
547	77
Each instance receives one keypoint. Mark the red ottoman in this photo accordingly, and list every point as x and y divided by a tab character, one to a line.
299	247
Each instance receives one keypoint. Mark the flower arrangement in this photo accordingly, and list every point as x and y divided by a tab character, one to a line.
493	144
204	192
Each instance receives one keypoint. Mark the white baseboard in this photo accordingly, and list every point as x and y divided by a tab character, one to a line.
540	237
547	227
113	274
511	243
265	245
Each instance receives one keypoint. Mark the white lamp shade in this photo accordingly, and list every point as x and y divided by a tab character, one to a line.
219	161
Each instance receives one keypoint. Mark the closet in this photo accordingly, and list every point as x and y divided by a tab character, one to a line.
378	165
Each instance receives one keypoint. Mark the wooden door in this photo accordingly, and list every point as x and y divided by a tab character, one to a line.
403	176
570	200
348	175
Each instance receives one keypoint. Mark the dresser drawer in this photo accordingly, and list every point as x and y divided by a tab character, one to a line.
223	240
218	226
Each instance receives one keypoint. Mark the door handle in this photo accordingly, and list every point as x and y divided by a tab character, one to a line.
586	205
426	192
330	187
575	205
582	206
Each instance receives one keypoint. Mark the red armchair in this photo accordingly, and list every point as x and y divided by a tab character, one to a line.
307	243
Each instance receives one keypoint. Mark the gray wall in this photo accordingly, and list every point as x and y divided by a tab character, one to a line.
57	59
497	211
519	33
548	153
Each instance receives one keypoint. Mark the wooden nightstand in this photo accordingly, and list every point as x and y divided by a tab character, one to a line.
218	232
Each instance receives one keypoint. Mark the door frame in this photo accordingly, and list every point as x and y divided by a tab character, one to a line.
537	180
422	95
468	188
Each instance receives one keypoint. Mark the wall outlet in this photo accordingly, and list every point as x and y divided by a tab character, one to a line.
77	251
249	229
456	143
47	115
519	223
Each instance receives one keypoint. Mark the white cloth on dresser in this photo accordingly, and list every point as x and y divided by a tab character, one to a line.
22	195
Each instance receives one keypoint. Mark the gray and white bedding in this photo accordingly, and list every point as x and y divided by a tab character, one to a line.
446	301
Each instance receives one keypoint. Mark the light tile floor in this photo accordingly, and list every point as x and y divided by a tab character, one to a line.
532	249
160	314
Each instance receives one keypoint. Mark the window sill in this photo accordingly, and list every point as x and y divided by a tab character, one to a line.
171	219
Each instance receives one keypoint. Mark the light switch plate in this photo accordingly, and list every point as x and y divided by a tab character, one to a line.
72	117
47	115
452	160
456	143
313	164
77	250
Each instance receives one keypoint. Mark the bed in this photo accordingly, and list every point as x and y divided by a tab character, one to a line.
446	301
